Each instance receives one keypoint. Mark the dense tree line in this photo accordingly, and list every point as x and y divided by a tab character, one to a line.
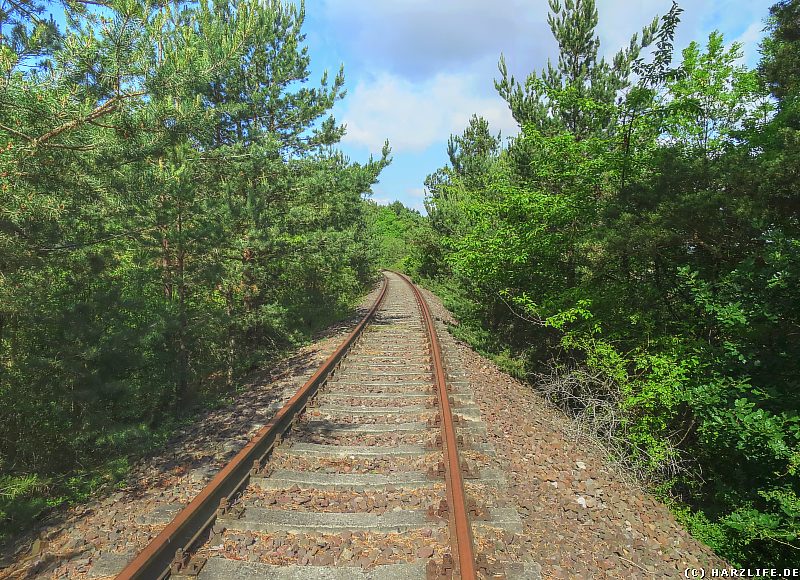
635	251
173	213
400	236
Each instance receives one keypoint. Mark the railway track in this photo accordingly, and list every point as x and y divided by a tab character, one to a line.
376	468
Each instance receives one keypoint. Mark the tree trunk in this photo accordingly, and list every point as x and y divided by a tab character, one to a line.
183	351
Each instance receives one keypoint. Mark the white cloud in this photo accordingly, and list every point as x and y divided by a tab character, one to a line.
751	39
434	63
414	116
618	21
422	68
740	20
419	38
415	198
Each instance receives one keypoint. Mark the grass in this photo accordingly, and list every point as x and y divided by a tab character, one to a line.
26	498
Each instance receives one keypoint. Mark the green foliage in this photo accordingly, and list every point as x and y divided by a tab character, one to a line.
579	76
781	51
172	215
401	237
641	238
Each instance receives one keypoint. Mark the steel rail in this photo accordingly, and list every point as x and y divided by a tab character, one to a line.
181	533
461	530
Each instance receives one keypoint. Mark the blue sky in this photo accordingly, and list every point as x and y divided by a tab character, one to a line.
416	70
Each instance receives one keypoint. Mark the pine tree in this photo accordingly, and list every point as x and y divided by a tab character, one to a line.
780	70
555	99
472	152
780	66
172	215
258	98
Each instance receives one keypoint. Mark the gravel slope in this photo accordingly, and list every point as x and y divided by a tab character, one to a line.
581	519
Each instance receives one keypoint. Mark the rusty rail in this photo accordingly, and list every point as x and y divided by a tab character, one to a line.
189	525
461	530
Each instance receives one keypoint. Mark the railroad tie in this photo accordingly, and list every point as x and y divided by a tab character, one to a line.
378	471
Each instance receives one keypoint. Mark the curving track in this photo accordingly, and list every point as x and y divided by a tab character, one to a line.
376	468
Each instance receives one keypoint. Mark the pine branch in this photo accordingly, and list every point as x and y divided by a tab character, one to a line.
15	132
70	147
30	15
106	108
102	3
78	245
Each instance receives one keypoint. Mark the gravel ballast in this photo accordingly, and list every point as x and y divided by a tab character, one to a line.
580	517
